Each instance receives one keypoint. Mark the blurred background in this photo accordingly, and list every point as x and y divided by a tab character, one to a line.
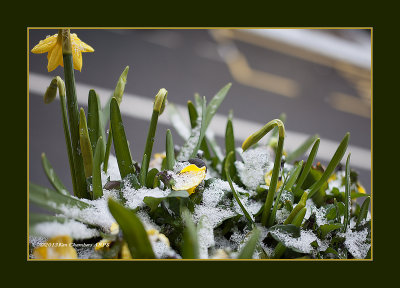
321	79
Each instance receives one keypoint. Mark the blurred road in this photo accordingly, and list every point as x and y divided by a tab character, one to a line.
318	93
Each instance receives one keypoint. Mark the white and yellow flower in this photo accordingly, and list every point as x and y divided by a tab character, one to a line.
189	178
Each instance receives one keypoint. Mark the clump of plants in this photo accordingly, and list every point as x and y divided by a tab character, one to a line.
198	200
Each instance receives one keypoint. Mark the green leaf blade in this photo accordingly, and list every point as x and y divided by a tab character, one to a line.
52	176
121	147
133	231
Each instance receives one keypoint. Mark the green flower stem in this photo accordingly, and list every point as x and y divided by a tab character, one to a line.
158	108
57	82
73	113
274	182
253	139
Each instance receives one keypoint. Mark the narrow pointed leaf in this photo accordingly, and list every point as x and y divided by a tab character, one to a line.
192	114
192	145
228	177
248	249
52	176
307	167
215	102
52	200
337	157
347	198
301	149
190	245
143	173
151	178
118	93
170	152
133	231
93	119
96	179
86	148
153	202
294	173
363	211
123	154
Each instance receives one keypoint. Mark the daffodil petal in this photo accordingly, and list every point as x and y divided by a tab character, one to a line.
77	58
55	58
45	45
78	44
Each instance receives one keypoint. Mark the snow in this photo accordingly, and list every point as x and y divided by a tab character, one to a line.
356	242
112	170
191	143
254	166
134	198
302	243
205	234
97	214
72	228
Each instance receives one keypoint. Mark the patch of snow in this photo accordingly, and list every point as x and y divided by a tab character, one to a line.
254	166
72	228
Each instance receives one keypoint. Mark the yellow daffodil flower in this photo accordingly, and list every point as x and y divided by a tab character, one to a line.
189	178
58	247
267	179
53	46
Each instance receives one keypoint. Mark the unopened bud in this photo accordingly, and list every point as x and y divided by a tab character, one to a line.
160	100
51	92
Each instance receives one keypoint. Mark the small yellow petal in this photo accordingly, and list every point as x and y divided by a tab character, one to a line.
78	44
192	168
189	178
55	58
77	59
267	179
45	45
